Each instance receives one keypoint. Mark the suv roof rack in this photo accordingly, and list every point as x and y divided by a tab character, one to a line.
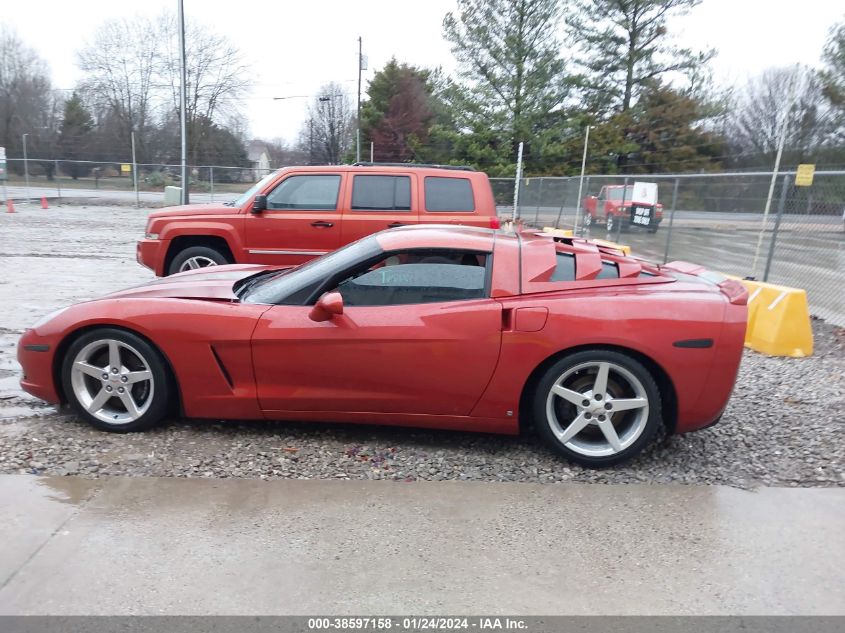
420	165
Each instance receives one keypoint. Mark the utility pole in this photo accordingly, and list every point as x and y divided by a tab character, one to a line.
183	100
358	115
311	141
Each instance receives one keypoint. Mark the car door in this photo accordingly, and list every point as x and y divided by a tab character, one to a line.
301	220
422	341
375	202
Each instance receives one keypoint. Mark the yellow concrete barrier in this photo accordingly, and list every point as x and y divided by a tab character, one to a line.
557	232
568	233
778	320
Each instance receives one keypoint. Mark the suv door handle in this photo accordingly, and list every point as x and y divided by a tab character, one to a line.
393	225
322	224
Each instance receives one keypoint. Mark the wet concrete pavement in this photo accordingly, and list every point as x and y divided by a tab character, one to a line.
177	546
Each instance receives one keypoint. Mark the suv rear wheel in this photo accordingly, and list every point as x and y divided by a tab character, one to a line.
195	257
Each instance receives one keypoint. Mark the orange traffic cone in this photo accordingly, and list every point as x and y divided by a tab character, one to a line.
10	206
44	202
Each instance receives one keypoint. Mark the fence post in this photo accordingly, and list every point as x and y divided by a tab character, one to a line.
515	216
622	207
539	200
58	180
781	205
211	181
671	219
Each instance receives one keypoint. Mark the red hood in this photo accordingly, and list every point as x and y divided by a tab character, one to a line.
204	283
194	209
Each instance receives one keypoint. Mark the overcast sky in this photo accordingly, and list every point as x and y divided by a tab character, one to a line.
294	47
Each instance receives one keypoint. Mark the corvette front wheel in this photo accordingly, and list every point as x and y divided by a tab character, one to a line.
116	381
597	407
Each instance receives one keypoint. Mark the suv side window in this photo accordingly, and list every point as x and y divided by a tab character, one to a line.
381	193
306	192
418	277
448	194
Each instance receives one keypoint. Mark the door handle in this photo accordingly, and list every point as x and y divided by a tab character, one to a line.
393	225
322	224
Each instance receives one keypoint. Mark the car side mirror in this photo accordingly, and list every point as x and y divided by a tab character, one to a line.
327	306
259	203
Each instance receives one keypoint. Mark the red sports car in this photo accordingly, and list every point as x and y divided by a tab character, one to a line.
441	327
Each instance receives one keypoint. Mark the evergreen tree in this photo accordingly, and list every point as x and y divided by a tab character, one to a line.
833	76
625	47
509	58
75	136
398	113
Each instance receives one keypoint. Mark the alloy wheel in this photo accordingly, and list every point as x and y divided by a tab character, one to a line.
112	381
597	409
199	261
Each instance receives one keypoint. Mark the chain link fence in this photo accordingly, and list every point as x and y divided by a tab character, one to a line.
715	220
60	179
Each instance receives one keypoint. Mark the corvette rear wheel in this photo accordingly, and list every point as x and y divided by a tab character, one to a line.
597	408
116	381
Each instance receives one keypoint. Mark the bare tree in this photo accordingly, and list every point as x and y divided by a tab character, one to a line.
327	133
217	77
28	104
132	84
625	48
791	96
121	64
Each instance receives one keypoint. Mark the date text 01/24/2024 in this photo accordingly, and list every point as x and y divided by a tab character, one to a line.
421	623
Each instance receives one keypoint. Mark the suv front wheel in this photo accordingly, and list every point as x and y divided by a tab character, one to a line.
195	257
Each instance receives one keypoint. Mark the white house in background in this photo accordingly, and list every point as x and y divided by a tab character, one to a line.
260	159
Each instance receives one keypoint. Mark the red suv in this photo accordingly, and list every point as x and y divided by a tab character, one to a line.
613	204
298	213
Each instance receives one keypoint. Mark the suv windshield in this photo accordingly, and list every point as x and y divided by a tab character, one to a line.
616	193
240	201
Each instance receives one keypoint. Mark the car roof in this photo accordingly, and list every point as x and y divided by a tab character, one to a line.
441	236
424	170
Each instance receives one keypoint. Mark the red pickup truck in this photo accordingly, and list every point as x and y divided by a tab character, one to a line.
298	213
608	208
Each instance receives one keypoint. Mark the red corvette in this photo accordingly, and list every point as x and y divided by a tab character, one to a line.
441	327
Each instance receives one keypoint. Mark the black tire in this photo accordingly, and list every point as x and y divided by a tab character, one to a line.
653	228
647	425
202	253
159	389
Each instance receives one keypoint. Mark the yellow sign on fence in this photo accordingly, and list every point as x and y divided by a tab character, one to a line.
125	168
804	175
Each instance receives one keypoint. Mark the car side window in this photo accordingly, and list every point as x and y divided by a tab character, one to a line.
448	194
564	268
402	278
381	193
306	192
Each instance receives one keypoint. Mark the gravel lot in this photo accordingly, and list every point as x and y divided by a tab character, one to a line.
784	425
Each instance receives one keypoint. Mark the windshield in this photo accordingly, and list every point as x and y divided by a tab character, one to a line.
616	192
240	201
296	286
